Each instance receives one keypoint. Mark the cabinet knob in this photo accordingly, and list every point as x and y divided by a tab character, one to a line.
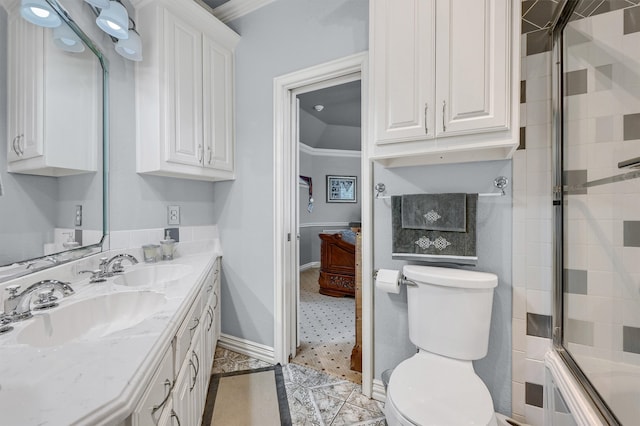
210	151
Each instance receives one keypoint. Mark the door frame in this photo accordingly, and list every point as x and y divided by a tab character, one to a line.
285	208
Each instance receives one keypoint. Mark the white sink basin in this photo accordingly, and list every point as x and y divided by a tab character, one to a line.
90	318
150	275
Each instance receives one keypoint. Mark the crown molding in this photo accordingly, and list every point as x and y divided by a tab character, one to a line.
234	9
328	152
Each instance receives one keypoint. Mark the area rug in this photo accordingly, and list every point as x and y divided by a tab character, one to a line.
247	398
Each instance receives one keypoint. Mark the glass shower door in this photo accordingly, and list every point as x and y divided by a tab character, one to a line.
601	201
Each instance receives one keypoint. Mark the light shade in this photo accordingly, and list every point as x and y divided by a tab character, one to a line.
102	4
39	12
66	39
114	20
130	48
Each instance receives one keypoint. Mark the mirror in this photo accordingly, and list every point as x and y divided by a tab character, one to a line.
52	174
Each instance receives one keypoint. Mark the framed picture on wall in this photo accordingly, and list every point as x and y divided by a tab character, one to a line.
341	189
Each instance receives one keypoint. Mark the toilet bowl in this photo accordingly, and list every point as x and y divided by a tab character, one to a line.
449	319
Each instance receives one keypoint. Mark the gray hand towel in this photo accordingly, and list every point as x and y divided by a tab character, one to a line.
435	246
437	212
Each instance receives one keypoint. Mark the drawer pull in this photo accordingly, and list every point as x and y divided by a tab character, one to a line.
215	305
210	313
444	107
197	321
195	375
196	368
210	288
175	416
167	386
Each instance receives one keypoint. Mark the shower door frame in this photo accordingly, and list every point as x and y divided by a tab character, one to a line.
561	19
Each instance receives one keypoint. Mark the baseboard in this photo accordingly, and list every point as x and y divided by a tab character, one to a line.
378	392
247	347
309	265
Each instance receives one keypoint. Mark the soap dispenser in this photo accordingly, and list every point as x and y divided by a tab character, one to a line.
168	247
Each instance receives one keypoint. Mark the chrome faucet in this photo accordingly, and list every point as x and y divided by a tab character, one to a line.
114	265
18	306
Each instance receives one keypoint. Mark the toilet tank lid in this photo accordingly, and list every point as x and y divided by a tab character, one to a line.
450	277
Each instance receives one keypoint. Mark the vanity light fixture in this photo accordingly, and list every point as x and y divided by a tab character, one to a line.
114	20
318	107
130	48
39	12
66	39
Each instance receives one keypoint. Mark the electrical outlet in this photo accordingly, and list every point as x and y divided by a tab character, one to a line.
173	215
78	220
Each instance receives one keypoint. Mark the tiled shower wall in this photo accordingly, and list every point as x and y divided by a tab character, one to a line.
532	198
603	227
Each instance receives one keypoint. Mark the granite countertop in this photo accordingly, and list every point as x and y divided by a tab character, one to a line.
97	378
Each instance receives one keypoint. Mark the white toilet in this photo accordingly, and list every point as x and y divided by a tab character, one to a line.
449	319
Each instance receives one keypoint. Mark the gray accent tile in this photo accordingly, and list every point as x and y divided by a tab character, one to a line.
575	177
575	82
523	91
580	332
559	404
631	339
631	233
174	233
603	76
575	281
610	6
523	138
538	42
533	394
527	27
631	20
538	325
631	127
573	36
540	13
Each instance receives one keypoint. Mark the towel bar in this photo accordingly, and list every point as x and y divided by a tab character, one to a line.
501	182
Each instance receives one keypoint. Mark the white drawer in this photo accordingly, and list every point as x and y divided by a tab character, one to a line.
186	332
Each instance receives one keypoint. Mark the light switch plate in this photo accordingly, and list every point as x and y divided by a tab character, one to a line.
173	215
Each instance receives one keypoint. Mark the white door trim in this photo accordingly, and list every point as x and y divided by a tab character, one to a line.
285	148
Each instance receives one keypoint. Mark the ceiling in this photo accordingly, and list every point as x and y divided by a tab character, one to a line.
337	126
341	104
215	3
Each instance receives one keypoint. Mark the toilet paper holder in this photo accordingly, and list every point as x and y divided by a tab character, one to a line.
403	280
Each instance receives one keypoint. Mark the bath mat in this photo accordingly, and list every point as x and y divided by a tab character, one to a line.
247	398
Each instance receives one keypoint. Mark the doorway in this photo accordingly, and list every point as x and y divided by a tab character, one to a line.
329	224
286	242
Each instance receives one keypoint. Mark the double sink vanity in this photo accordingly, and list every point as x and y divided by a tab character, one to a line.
133	349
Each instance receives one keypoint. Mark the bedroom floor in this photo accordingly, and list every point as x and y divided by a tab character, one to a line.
327	330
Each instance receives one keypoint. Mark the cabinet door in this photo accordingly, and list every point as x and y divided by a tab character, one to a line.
472	66
183	407
183	103
217	105
26	68
403	69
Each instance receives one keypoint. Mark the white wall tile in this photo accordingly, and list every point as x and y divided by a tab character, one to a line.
538	65
519	295
539	302
534	371
534	415
518	366
537	347
119	240
538	112
519	334
517	401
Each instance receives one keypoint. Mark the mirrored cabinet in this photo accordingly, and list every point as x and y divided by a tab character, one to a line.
54	113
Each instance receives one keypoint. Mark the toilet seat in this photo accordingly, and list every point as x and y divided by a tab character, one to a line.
429	389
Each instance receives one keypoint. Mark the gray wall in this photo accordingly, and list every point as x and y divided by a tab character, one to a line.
391	333
318	167
282	37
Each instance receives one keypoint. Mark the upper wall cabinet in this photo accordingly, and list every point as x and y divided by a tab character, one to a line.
184	92
444	82
54	109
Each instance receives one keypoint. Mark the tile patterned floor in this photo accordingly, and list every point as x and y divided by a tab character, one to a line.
315	398
327	330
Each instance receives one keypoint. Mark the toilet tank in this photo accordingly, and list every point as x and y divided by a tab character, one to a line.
450	310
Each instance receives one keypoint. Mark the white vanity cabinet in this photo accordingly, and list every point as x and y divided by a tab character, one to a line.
444	80
184	91
54	114
177	392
